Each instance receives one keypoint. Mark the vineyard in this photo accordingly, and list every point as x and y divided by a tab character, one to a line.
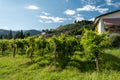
61	46
86	53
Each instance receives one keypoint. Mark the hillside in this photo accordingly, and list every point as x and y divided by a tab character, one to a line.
32	32
4	32
75	28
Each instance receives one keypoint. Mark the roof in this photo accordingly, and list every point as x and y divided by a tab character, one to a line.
98	17
108	13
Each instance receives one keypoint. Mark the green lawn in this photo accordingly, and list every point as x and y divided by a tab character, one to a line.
21	68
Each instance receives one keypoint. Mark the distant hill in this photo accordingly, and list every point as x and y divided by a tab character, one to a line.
32	32
75	28
4	32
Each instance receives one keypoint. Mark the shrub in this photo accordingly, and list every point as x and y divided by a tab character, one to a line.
93	44
115	39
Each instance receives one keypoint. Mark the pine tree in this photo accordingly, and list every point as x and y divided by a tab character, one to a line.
21	34
9	35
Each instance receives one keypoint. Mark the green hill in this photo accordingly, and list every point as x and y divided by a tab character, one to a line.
75	28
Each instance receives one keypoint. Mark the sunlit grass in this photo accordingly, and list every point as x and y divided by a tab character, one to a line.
21	68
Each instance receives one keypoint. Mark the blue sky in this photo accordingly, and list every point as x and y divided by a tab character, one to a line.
50	14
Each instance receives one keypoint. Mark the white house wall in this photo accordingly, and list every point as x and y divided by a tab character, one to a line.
101	24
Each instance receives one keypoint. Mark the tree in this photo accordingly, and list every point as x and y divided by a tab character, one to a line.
64	47
4	45
19	34
26	34
41	45
30	47
14	48
93	44
1	36
54	52
9	35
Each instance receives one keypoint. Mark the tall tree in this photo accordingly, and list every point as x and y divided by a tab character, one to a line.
9	35
21	34
1	36
17	35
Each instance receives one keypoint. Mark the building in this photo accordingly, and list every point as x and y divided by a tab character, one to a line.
108	22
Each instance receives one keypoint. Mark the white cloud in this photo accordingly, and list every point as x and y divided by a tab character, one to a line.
50	19
89	1
32	7
93	8
78	17
92	19
45	21
69	12
110	3
45	13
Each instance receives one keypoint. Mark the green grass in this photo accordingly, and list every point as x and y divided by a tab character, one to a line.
21	68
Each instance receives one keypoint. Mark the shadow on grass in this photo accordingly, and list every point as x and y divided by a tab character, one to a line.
40	61
110	62
83	66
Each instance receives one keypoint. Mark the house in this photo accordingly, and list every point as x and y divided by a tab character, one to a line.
108	22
